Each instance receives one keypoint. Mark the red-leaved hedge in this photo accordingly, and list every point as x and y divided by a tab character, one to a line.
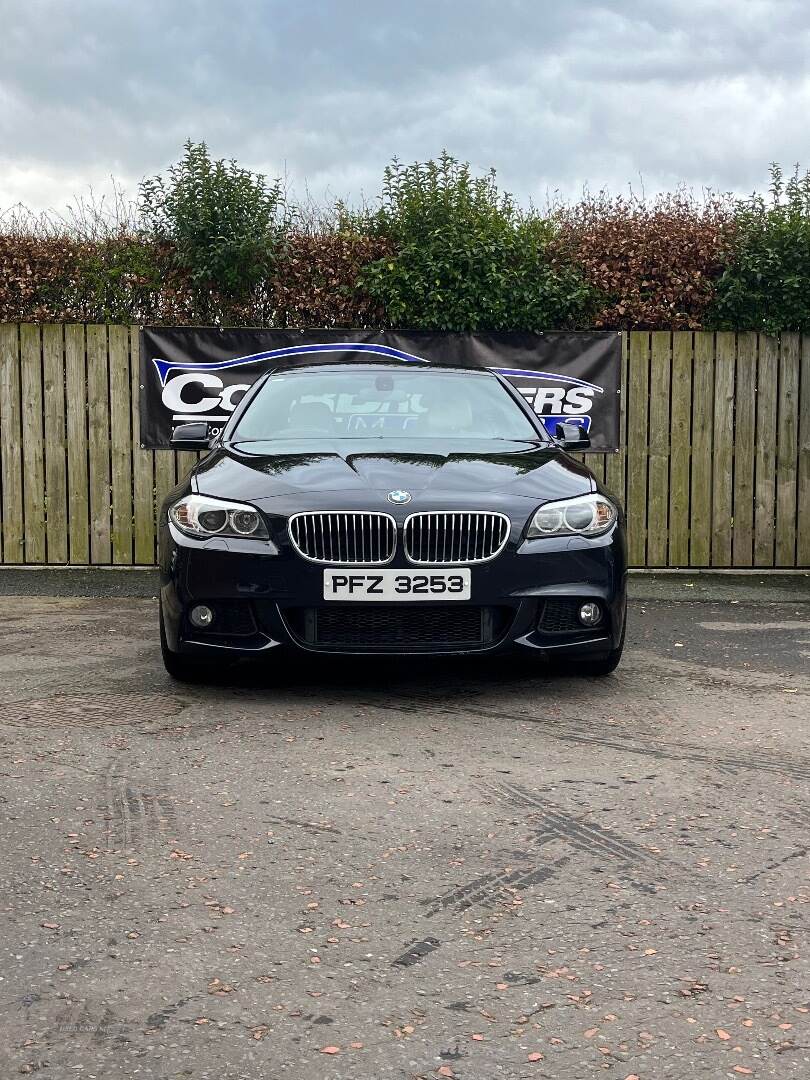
443	249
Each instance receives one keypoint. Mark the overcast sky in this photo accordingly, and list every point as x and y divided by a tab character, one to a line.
555	94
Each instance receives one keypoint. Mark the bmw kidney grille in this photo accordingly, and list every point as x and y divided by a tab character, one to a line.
350	539
455	538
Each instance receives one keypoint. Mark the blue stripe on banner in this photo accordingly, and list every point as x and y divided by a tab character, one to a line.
526	373
165	366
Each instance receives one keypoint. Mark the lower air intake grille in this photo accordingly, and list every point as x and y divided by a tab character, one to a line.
560	616
232	618
377	628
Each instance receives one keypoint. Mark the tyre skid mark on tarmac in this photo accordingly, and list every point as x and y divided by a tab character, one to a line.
582	834
800	853
484	891
134	817
414	953
309	826
584	837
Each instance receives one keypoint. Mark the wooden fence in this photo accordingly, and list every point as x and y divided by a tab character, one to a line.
714	468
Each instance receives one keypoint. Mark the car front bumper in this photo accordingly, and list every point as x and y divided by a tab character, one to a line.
528	596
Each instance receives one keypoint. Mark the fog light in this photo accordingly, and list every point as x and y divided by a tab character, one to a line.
590	614
201	616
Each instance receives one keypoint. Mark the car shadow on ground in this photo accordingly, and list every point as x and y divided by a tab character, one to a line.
395	674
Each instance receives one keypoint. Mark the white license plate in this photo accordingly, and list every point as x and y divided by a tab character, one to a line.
396	585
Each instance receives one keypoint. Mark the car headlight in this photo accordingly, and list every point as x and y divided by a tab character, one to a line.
586	515
204	516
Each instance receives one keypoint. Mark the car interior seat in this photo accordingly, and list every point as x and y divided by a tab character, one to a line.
312	416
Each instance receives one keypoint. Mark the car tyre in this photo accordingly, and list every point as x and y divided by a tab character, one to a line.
605	666
187	669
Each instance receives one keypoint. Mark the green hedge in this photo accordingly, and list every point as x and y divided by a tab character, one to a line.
442	248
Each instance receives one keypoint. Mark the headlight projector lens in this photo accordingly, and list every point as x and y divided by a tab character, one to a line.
245	522
590	614
201	616
213	521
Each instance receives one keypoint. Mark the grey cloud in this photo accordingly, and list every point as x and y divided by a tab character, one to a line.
554	95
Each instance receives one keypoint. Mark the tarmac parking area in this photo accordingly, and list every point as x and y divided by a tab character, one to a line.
407	869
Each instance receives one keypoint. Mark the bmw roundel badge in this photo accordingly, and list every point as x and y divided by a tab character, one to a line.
399	497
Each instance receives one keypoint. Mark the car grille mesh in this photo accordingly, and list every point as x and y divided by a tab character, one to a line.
232	618
394	628
559	616
351	539
455	537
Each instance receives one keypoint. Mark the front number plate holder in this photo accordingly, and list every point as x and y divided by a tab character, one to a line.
388	586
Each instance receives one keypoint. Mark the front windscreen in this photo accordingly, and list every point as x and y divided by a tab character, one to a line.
369	404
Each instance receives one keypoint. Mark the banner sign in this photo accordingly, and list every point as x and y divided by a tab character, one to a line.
194	374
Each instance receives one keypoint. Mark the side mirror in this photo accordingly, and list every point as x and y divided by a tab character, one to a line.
571	437
191	436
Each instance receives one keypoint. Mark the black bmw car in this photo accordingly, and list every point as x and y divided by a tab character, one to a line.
379	508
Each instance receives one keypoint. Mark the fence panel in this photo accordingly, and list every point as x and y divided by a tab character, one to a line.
638	398
121	445
98	442
10	446
143	468
713	470
78	488
658	442
56	509
765	466
722	513
745	405
700	526
680	449
33	455
787	449
803	467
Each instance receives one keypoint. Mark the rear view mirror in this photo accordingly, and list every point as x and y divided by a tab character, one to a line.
572	437
191	436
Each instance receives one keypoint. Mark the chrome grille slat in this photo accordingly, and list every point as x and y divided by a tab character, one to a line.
344	538
466	536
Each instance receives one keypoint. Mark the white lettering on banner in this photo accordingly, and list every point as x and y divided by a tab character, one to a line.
173	393
226	398
173	397
549	399
578	400
553	400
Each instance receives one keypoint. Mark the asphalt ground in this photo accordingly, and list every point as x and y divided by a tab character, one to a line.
406	869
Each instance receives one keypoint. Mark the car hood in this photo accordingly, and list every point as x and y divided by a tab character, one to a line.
254	472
